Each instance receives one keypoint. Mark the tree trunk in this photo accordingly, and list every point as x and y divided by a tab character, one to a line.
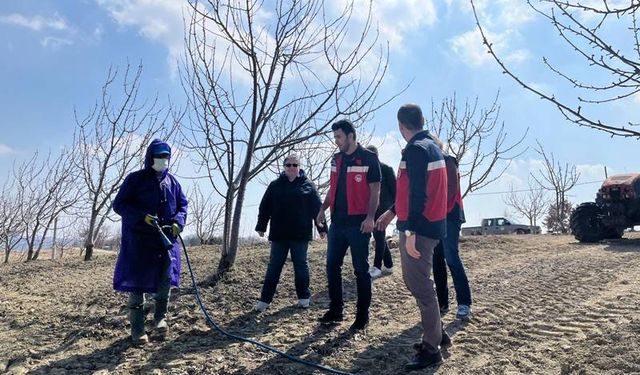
89	242
229	257
88	251
6	255
53	245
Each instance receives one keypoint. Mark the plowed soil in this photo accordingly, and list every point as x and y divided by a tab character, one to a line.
542	305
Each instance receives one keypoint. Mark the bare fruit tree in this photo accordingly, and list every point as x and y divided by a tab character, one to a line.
111	142
530	203
477	138
12	228
49	189
205	215
559	179
588	29
263	78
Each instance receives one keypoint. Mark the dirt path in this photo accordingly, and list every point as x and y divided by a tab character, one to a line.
542	305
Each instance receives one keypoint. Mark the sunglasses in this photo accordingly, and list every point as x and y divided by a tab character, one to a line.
289	165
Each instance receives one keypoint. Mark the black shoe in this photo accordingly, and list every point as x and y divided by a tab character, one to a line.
444	310
423	359
331	317
359	324
446	341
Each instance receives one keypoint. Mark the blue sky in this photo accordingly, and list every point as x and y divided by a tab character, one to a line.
55	56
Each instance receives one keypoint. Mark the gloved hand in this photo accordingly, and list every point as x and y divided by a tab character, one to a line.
149	219
175	229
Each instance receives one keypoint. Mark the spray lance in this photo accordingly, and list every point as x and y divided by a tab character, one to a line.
166	242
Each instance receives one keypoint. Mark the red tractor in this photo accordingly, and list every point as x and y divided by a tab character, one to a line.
616	208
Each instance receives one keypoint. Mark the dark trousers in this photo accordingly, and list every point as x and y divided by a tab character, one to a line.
342	237
382	250
416	274
279	251
447	253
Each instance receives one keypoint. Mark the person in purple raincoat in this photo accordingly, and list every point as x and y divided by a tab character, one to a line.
144	265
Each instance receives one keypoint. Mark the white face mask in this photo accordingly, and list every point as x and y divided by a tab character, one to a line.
160	165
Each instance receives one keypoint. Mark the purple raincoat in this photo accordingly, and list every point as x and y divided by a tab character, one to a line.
142	254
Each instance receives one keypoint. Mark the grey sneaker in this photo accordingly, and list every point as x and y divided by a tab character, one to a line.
303	303
375	272
261	306
140	341
387	270
464	312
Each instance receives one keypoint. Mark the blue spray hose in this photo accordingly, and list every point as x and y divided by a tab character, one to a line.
213	324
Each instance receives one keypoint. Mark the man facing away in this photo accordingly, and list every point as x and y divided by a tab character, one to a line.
353	198
421	206
387	197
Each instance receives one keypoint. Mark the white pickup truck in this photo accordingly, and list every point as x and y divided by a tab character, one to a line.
499	225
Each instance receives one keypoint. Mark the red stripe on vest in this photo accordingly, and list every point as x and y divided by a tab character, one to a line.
436	200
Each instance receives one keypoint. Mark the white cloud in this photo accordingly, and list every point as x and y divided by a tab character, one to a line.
390	147
395	19
35	23
4	149
53	42
508	16
591	172
157	20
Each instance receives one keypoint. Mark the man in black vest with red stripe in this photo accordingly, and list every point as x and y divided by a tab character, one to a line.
421	206
354	190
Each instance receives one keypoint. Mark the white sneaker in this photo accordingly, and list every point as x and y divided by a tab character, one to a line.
375	272
161	329
303	303
261	306
387	271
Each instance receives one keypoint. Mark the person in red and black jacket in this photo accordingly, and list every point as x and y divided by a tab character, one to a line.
447	252
354	190
421	206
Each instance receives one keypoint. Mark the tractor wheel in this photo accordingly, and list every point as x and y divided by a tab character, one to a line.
613	233
586	224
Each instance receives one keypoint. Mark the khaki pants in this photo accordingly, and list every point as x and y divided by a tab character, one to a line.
417	277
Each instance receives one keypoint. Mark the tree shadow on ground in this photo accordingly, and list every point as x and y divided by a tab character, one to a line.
103	359
623	245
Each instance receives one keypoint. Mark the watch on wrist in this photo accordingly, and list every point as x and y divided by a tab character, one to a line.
409	233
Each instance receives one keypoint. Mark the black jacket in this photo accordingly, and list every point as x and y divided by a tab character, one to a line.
291	206
387	189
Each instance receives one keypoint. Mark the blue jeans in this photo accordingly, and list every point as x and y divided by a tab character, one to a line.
342	237
447	253
161	298
279	251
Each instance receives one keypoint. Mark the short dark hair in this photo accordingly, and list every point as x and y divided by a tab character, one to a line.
410	115
346	126
373	149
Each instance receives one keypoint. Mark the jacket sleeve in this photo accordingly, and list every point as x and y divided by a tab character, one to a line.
316	203
123	203
417	171
181	206
264	211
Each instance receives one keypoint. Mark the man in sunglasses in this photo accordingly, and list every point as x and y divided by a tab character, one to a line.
290	204
354	190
